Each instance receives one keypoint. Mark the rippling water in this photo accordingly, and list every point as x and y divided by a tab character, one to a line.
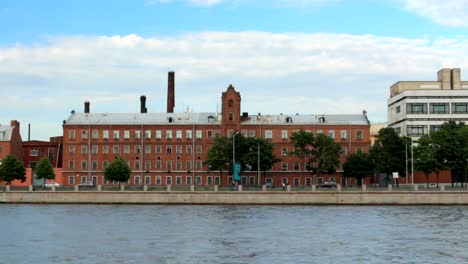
232	234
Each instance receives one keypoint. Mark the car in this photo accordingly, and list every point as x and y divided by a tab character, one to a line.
269	185
327	185
50	184
87	184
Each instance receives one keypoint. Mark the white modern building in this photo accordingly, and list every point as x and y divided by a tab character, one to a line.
416	108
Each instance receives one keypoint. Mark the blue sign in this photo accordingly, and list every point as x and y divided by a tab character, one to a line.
237	168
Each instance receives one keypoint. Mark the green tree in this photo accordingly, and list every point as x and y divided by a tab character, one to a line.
425	158
326	155
259	148
12	169
44	170
389	153
450	145
219	156
118	171
303	144
359	166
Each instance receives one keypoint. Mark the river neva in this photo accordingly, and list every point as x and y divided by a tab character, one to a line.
232	234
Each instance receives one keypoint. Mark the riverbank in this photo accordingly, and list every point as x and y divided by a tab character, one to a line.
247	198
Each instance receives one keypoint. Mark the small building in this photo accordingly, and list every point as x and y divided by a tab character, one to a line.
10	140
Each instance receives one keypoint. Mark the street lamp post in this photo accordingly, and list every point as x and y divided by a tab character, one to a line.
258	163
234	156
412	166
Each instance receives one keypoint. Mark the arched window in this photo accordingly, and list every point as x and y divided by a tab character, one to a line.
288	119
230	103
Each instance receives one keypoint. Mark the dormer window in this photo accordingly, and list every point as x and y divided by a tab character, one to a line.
211	119
170	119
288	119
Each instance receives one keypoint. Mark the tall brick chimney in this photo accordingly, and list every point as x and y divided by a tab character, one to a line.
170	92
86	107
143	104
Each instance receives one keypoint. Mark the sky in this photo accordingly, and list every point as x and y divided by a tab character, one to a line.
283	56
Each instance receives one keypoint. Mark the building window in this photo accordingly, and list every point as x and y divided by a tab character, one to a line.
178	180
439	108
188	149
416	131
188	134
199	134
137	149
189	164
137	134
344	151
288	119
95	149
127	134
137	180
168	180
71	148
217	180
158	134
105	163
147	149
105	134
198	164
158	149
331	134
147	180
158	180
284	134
84	134
95	134
188	180
359	134
71	164
268	134
308	182
116	134
169	164
147	164
416	108
209	133
460	108
398	109
284	166
209	180
344	134
136	164
147	134
251	133
115	149
169	134
435	128
217	133
231	116
71	134
319	180
199	149
71	180
178	149
94	164
84	164
284	151
296	182
126	149
179	164
84	149
296	166
105	149
158	164
179	134
199	180
169	149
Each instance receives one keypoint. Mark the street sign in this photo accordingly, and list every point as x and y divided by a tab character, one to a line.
395	175
237	172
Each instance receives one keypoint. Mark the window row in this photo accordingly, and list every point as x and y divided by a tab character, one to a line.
127	149
148	180
297	166
148	134
285	134
435	108
136	164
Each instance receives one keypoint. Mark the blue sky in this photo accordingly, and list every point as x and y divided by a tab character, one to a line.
307	56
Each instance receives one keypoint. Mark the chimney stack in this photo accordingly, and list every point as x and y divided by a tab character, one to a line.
170	92
143	104
86	107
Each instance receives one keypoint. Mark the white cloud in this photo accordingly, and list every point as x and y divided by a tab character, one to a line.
275	73
450	13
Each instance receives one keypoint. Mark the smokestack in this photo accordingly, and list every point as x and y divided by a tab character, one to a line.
170	92
143	104
86	107
29	132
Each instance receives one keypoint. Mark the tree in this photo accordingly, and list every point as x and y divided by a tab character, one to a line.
389	153
219	155
259	148
326	154
425	157
303	143
44	170
359	166
118	171
450	148
12	169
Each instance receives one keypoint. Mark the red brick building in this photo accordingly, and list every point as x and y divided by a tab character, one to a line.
169	148
35	150
10	140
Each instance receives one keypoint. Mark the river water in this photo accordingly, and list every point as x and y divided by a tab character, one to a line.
232	234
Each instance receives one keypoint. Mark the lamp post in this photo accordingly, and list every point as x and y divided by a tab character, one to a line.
412	166
234	156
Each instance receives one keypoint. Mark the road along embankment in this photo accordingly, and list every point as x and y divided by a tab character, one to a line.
250	198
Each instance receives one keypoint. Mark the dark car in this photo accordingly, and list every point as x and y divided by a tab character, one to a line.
327	185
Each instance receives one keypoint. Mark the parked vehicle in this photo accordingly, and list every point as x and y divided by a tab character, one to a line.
87	184
327	185
50	184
